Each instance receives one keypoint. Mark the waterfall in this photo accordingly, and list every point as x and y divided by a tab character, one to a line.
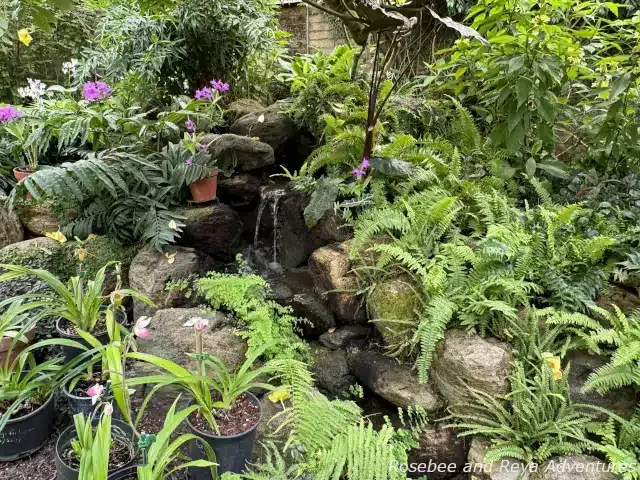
269	196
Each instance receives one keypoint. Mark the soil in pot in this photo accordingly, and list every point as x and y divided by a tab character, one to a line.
121	454
28	429
234	444
20	173
67	330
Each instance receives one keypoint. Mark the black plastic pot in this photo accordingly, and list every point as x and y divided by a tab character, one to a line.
25	435
70	352
64	471
82	404
131	472
232	453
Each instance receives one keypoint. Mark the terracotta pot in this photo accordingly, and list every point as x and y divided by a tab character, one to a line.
21	173
204	190
5	343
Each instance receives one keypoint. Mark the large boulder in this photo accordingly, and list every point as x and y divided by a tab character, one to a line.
394	382
442	451
10	227
171	339
297	242
39	218
466	359
331	270
331	369
317	314
504	469
574	467
239	191
345	336
214	229
238	152
240	108
621	401
392	302
270	125
151	271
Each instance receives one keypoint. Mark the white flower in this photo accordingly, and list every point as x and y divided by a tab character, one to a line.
70	67
197	322
35	90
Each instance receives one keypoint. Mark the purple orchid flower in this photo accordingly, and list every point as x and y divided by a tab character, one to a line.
220	86
203	94
191	126
94	91
362	171
9	113
189	161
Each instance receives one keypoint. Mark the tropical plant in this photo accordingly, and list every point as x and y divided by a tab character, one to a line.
533	422
161	457
79	303
21	378
92	446
620	442
213	387
245	296
123	194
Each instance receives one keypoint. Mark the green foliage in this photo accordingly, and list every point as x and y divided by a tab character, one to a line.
92	447
535	421
267	322
619	442
192	42
323	85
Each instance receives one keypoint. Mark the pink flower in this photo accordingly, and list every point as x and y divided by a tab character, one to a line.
108	409
203	94
189	162
200	325
140	329
364	166
9	113
94	91
220	86
95	393
203	148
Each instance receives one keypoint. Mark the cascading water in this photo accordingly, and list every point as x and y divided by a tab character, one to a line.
269	197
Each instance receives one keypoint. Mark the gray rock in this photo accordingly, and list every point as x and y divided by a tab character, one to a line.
240	108
331	369
276	129
151	270
394	382
318	315
239	191
621	401
172	340
331	270
574	467
504	469
238	152
214	229
39	218
466	359
10	227
297	242
346	336
440	446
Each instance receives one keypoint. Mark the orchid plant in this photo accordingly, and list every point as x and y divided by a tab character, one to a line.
213	387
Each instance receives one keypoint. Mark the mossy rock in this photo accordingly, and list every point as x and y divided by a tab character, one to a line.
391	302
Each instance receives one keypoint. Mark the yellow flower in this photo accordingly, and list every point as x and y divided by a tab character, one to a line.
171	257
24	36
81	253
57	236
91	236
555	366
279	395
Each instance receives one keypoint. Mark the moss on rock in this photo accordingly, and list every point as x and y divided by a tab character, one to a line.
391	302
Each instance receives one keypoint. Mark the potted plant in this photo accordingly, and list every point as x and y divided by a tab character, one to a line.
33	141
227	413
12	322
88	452
160	452
26	395
77	306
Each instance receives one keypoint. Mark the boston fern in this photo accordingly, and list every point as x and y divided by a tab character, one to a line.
535	421
122	193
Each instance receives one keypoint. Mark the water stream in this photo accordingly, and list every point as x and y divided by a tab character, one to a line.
269	197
